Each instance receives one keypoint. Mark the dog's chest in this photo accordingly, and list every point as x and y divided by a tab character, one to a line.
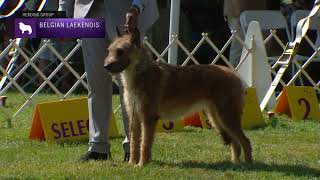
129	83
131	92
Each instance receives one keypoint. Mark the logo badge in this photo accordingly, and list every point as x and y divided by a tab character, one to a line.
25	28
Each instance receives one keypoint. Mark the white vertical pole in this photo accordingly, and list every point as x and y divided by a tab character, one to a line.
174	30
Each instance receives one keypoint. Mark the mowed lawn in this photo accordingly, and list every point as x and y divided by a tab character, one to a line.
282	150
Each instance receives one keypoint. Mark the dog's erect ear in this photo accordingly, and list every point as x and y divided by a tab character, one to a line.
135	37
118	32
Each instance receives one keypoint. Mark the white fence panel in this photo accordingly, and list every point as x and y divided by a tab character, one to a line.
29	63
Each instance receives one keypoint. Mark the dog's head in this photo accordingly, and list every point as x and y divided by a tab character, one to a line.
123	52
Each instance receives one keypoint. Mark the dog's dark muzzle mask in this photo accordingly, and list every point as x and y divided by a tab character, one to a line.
116	66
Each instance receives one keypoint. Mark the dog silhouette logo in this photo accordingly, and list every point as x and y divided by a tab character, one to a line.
25	27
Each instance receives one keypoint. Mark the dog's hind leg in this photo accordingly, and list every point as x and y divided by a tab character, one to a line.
235	151
240	138
231	123
245	144
213	118
148	132
234	146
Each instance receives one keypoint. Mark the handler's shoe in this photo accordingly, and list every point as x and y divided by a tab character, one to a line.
126	157
126	149
95	156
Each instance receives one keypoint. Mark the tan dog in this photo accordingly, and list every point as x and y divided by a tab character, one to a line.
154	89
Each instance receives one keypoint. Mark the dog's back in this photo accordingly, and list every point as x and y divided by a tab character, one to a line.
209	81
185	90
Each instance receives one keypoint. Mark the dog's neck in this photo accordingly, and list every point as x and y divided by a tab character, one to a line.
141	62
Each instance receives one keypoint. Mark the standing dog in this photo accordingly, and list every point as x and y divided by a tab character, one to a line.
154	89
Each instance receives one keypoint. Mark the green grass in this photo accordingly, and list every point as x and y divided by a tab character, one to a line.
281	150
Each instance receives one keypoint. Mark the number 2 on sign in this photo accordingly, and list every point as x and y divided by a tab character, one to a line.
307	105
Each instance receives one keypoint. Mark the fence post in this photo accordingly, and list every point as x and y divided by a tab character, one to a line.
174	30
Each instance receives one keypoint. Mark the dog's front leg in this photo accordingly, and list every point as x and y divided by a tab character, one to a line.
149	123
135	139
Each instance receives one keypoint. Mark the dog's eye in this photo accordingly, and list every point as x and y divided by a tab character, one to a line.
120	52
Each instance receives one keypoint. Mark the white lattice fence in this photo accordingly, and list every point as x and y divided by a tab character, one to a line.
29	64
301	69
80	77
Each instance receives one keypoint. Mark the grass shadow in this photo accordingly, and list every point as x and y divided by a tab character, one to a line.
296	170
80	142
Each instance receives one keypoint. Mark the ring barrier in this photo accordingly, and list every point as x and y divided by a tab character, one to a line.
21	70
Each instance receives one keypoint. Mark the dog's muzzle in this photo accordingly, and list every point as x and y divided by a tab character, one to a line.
115	67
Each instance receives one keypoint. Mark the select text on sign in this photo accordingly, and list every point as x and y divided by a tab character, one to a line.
70	128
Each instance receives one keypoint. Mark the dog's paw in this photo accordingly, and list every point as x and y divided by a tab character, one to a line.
249	161
132	162
235	160
140	164
143	162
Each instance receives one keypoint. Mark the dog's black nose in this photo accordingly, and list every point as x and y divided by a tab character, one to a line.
107	66
113	67
116	66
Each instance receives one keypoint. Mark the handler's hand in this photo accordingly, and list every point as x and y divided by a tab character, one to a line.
131	19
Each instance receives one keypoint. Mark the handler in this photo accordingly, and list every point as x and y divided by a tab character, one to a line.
127	15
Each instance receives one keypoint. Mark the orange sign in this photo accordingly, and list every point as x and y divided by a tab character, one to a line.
298	102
